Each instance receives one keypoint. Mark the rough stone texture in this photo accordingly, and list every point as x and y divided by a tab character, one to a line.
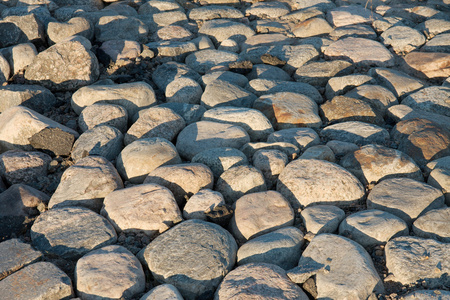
184	90
166	73
303	138
115	271
58	32
183	180
71	232
111	28
372	227
67	65
220	30
21	29
223	93
403	39
132	96
428	295
289	149
312	27
19	56
203	60
118	50
351	273
270	163
310	181
220	159
191	113
204	135
351	14
257	280
231	77
163	291
340	148
432	99
434	225
86	183
411	258
16	255
356	132
402	112
23	167
149	208
373	163
103	114
439	43
399	83
428	65
318	73
337	86
405	198
143	156
211	12
193	256
355	30
440	178
321	152
238	181
280	247
377	96
322	218
34	97
201	203
41	280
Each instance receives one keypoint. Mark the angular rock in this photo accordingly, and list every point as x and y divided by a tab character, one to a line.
322	218
163	291
34	97
427	295
432	99
403	39
203	60
220	30
201	202
303	138
23	167
166	73
223	93
191	113
16	255
111	28
270	163
103	114
337	86
220	159
401	112
58	32
356	132
21	29
351	14
399	83
344	109
318	73
19	56
433	225
433	27
428	65
312	27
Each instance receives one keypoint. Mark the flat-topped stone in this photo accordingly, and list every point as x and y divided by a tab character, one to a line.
300	137
356	132
34	97
322	218
433	99
351	14
212	11
403	39
433	225
220	30
163	291
376	95
337	86
202	61
398	82
428	65
23	166
16	255
220	159
223	93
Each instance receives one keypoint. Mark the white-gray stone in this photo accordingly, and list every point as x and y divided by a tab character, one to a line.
201	202
203	60
191	113
440	178
322	152
337	86
184	90
58	32
103	114
356	132
223	93
163	292
270	163
403	39
221	29
300	137
220	159
432	99
322	218
112	28
23	166
16	255
434	225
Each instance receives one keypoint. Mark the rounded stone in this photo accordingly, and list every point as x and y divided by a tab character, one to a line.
434	225
23	167
197	206
184	90
220	159
103	114
356	132
163	291
270	163
322	218
202	61
321	152
300	137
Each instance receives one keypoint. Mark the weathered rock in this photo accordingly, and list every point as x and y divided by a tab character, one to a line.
220	30
428	65
164	18
184	90
433	27
193	256
427	295
71	232
356	132
266	40
155	6
321	152
403	39
166	73
322	218
270	163
432	99
344	109
377	96
143	156
118	50
23	167
173	50
337	86
351	14
433	225
312	27
268	10
16	255
163	291
191	113
34	97
19	56
354	30
115	270
263	71
203	60
310	181
402	112
58	32
318	73
280	247
21	29
289	149
439	43
300	137
405	198
231	77
172	33
200	203
86	183
399	83
223	93
340	148
220	159
103	114
440	178
111	28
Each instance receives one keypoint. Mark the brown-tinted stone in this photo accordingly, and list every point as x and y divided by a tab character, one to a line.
341	109
428	65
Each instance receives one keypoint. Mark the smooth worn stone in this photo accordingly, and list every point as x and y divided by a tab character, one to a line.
238	181
102	140
71	232
58	32
266	40
86	183
403	39
150	208
440	163
270	163
401	112
168	72
163	291
253	121
301	15
115	270
132	96
220	159
65	66
373	163
340	148
23	167
172	33
34	97
256	280
399	83
191	113
360	51
229	45
405	198
310	181
36	132
337	86
321	152
16	255
155	6
143	156
351	14
212	11
21	29
322	218
433	99
372	227
184	90
422	140
439	43
173	50
433	27
5	70
221	29
349	270
259	213
427	295
434	225
204	135
303	138
411	259
164	18
273	9
152	122
323	5
194	256
183	180
231	77
440	178
318	73
204	60
289	149
312	27
41	280
280	247
19	56
428	65
201	202
344	109
111	28
289	110
377	96
223	93
355	30
356	132
116	50
263	71
103	114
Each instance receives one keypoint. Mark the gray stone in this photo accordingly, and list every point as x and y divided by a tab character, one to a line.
303	138
238	181
172	33
403	39
274	9
280	247
23	167
41	280
440	163
204	60
202	202
399	83
34	97
103	114
118	51
433	27
191	113
164	18
132	96
184	90
405	198
5	70
255	280
102	140
21	29
411	259
42	14
373	163
115	270
111	28
428	295
19	56
312	27
301	15
204	135
349	270
263	71
337	86
434	225
211	12
163	291
231	77
16	255
193	256
223	93
229	45
71	232
356	132
267	39
220	159
322	218
155	6
355	30
322	152
318	73
270	163
65	66
432	99
58	32
177	51
220	30
345	109
439	43
372	227
289	149
342	148
166	73
402	112
440	178
86	183
351	14
377	96
310	181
